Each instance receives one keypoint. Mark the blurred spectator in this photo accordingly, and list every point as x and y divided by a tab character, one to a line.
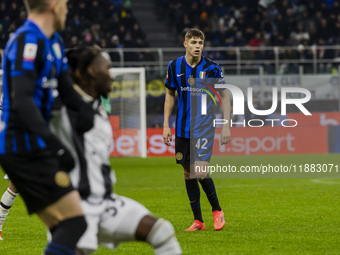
127	19
115	44
3	37
14	11
88	39
137	35
257	40
74	41
3	10
239	41
324	32
103	43
290	55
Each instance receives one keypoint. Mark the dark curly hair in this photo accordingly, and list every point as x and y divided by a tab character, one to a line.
79	59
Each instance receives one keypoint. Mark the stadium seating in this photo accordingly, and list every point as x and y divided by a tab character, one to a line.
107	23
257	23
261	23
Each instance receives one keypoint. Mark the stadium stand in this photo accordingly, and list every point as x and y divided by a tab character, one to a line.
108	23
257	23
262	23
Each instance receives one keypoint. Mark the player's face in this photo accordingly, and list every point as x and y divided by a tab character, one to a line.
194	46
60	11
103	79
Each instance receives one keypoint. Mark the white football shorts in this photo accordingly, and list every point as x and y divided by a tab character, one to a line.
112	222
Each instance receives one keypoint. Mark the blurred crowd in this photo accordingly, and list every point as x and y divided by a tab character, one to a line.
226	23
259	23
107	23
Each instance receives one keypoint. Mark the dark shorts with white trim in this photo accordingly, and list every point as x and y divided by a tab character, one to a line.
38	178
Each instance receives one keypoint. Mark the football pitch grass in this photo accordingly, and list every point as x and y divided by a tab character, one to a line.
263	216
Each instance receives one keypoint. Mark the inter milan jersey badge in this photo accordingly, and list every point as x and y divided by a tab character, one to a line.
191	81
179	156
62	179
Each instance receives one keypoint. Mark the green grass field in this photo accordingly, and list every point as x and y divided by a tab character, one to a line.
263	216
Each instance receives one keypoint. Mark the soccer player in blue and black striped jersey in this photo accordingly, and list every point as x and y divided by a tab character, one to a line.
35	71
193	77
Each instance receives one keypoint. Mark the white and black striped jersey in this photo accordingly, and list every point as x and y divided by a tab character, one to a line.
92	175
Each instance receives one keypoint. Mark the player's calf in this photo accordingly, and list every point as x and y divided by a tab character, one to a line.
66	236
162	238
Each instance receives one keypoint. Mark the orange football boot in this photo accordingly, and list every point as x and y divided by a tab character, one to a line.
219	221
197	225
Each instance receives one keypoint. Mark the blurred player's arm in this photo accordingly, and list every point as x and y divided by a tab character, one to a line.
168	107
73	100
226	137
22	98
169	104
25	57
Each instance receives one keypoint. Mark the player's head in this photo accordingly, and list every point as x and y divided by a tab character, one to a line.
90	70
57	7
194	41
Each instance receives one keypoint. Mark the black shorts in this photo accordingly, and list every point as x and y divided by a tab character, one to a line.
189	150
37	177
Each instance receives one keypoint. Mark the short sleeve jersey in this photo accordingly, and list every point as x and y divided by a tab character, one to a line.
194	85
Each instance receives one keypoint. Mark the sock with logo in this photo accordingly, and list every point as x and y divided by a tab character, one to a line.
209	189
194	194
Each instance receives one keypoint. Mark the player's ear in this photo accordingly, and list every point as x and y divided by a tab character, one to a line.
91	70
53	5
185	43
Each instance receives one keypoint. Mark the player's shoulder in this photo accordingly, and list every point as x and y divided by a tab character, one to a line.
211	63
176	60
57	38
29	29
26	35
21	39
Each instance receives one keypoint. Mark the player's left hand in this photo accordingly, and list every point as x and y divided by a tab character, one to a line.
225	136
167	136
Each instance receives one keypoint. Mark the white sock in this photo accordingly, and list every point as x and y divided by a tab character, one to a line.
162	238
7	201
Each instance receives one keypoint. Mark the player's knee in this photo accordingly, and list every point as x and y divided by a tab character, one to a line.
186	175
162	238
200	175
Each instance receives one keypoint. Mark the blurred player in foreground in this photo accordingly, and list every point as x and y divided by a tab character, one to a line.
195	132
35	68
7	200
111	218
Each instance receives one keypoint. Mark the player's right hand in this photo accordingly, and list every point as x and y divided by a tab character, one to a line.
167	136
58	150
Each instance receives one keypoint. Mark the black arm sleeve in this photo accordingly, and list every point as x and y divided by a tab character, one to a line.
68	95
26	108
